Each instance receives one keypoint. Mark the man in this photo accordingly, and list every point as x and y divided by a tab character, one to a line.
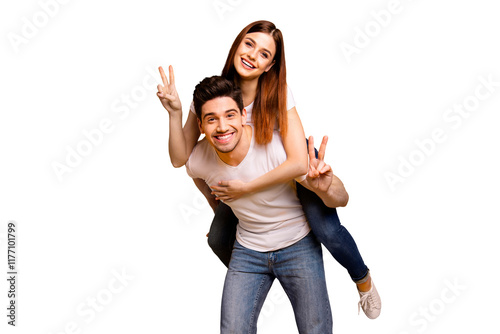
273	238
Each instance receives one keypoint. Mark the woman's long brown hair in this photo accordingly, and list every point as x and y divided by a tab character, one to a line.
270	102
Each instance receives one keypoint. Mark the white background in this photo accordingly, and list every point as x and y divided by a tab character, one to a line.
124	208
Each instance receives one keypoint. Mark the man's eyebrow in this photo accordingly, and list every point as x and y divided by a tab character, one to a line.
226	112
262	48
208	114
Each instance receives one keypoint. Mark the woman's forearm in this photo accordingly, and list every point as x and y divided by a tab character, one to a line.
285	172
296	164
182	140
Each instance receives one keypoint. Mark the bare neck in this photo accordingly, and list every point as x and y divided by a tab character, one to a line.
248	90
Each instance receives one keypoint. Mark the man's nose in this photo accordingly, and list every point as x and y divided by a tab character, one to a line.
222	126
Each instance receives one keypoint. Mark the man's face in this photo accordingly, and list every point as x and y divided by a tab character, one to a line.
222	123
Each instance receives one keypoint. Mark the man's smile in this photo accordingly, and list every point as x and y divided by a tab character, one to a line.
222	139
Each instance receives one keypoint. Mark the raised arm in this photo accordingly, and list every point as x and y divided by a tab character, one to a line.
296	165
321	179
181	140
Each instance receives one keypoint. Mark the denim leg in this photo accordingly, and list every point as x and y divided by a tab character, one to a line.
299	269
326	225
247	284
222	233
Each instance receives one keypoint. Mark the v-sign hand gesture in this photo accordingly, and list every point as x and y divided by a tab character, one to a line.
320	174
167	93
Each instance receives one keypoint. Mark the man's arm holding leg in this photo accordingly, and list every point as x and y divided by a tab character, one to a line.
207	192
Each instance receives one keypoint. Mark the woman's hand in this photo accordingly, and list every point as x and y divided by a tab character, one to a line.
320	174
168	94
229	190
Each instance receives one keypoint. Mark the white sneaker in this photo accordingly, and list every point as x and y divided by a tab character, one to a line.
370	302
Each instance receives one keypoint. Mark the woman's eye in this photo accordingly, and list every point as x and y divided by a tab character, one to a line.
265	55
248	44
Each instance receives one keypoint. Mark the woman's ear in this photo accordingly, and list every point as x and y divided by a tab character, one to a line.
269	66
244	117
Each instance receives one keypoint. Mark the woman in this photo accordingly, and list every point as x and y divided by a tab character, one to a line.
256	63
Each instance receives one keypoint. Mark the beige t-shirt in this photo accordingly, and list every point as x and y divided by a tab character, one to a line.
268	220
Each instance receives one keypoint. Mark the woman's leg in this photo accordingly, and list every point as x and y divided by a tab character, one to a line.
223	233
326	225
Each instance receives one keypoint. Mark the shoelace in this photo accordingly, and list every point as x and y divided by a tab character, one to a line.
363	301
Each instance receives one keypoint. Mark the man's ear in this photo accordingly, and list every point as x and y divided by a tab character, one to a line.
244	117
199	125
269	66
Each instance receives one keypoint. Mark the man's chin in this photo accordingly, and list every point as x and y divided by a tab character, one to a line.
224	148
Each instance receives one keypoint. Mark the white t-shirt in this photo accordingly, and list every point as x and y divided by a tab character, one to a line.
268	220
290	103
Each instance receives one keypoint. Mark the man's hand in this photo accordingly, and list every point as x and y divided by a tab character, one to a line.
168	93
320	174
229	190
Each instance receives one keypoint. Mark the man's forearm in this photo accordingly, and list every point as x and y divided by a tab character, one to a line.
207	192
336	196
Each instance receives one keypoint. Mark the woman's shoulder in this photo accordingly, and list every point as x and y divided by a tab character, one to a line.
290	101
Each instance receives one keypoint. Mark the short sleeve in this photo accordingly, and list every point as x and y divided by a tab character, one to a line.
191	108
301	178
188	169
290	102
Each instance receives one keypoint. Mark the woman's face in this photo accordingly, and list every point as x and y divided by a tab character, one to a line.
255	55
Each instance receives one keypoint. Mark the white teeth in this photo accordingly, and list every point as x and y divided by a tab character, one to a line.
224	137
247	63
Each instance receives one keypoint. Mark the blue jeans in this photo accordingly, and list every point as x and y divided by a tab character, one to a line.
298	268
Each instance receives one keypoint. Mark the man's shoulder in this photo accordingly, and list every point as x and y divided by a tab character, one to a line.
200	145
275	143
199	155
272	152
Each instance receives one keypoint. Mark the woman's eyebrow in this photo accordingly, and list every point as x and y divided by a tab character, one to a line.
251	39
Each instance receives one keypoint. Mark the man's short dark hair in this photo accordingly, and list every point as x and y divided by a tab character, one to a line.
214	87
